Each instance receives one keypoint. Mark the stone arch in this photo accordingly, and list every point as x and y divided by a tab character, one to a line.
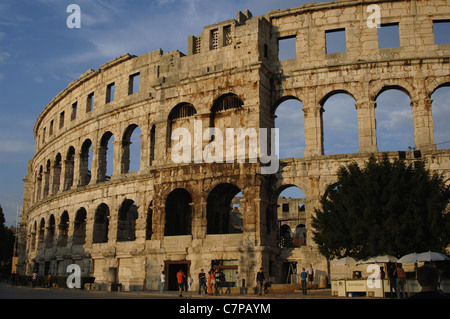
394	118
50	231
101	224
41	233
57	167
126	223
63	229
105	166
225	102
289	119
179	117
79	227
85	162
221	216
178	213
339	122
440	107
131	157
47	173
69	168
149	222
34	235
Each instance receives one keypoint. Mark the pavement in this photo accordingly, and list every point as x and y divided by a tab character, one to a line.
7	291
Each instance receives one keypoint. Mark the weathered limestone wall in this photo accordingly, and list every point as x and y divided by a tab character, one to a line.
231	78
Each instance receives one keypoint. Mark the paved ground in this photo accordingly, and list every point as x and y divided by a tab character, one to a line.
20	292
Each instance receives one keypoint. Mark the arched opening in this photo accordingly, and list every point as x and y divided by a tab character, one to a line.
223	212
290	121
41	234
63	229
101	224
39	184
393	113
179	117
69	168
56	174
131	149
441	115
47	179
33	236
152	144
178	219
85	163
126	224
149	223
50	231
291	209
339	124
105	157
225	112
79	227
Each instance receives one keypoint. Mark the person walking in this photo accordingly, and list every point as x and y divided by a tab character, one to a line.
33	279
303	277
401	281
310	272
236	279
202	282
260	281
180	279
392	277
162	282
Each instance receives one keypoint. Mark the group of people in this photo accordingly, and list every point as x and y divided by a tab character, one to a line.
211	283
397	280
307	275
427	276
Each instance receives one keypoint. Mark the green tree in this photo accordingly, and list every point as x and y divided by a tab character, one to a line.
387	207
6	245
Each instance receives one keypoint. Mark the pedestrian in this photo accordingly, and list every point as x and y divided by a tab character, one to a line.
33	279
260	281
401	281
217	281
236	279
202	282
180	279
162	282
427	276
190	282
303	277
310	272
49	281
392	277
382	274
211	278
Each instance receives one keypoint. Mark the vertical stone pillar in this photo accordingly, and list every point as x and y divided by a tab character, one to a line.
313	130
367	126
423	124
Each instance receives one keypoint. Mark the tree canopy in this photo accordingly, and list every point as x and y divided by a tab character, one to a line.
386	207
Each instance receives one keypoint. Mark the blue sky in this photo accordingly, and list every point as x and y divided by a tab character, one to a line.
40	56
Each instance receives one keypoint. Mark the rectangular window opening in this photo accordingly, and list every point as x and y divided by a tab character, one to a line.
61	120
287	48
441	30
74	111
50	131
335	41
90	102
110	89
214	45
134	83
388	36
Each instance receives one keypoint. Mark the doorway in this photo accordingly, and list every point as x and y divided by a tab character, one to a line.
171	270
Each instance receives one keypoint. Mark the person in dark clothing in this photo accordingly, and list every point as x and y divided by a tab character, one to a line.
260	281
427	276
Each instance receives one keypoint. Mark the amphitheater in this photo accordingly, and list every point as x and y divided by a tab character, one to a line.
124	218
